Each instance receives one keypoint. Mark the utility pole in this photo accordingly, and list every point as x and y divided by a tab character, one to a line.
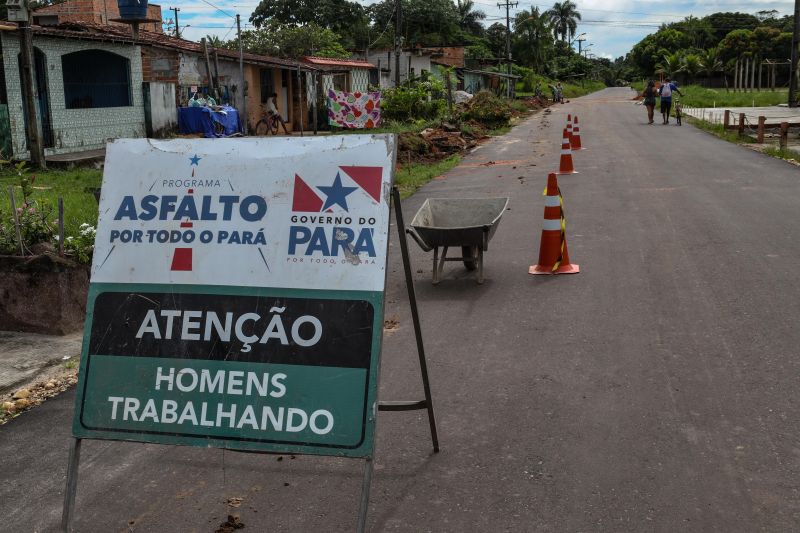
793	68
508	5
177	26
398	13
241	72
580	45
32	124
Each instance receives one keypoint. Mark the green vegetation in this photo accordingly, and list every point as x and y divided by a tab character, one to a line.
412	177
697	96
709	50
36	198
782	153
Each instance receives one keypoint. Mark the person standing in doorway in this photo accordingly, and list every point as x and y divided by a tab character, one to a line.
667	88
650	100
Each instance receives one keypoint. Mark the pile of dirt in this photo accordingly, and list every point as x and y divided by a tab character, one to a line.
535	103
16	402
440	142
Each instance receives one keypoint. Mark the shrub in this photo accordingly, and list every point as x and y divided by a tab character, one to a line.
414	101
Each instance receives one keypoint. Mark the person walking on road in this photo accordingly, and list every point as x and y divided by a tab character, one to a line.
650	100
667	88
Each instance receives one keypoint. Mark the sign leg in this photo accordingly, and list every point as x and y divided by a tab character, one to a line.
72	486
412	298
365	486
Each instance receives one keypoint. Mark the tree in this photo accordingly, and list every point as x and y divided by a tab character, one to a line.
496	35
281	40
429	22
533	40
670	64
347	19
564	16
710	62
469	19
691	66
214	41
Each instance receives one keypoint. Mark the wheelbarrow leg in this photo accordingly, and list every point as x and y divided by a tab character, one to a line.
437	268
435	265
480	265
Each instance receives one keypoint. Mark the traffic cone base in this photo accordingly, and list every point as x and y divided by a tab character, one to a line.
537	270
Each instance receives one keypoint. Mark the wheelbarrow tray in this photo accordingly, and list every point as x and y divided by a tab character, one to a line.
451	222
458	221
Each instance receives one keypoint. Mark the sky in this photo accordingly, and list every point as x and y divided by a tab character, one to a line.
612	27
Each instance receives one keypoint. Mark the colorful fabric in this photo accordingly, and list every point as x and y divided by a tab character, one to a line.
354	110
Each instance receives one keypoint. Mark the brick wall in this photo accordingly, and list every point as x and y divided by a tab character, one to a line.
160	65
74	130
98	11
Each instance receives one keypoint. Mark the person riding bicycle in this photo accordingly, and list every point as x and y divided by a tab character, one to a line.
272	112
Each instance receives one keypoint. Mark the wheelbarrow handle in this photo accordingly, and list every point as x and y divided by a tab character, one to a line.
422	244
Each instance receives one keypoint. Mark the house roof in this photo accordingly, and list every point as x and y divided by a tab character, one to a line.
120	34
329	63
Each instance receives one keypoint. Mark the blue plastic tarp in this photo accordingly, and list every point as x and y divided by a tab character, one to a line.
203	119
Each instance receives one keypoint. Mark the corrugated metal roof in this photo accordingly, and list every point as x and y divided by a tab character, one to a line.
332	62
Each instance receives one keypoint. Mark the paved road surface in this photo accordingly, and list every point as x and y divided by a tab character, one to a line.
655	391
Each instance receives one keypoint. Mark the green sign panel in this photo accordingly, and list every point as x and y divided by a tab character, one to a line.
236	309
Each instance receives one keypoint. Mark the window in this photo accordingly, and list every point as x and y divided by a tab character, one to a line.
96	78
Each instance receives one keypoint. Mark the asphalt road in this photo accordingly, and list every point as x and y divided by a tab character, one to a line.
654	391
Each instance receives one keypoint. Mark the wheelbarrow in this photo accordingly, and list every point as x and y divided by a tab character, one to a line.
452	222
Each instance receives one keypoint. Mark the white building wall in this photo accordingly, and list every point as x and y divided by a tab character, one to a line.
74	130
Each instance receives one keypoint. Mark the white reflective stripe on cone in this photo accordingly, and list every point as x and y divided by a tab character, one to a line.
552	225
566	152
552	201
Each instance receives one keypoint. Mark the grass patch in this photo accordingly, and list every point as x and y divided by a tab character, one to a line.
717	130
412	177
699	96
783	153
73	186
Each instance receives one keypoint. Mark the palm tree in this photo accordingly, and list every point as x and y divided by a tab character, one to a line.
670	64
564	16
469	19
711	62
214	41
532	38
691	66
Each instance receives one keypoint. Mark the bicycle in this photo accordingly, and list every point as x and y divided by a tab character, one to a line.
267	125
678	111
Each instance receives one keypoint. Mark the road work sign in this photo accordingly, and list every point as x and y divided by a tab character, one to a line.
236	296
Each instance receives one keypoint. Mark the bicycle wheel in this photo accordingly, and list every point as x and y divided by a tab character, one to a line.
262	127
272	126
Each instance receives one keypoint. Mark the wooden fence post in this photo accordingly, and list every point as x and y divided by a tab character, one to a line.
761	121
741	124
784	135
727	118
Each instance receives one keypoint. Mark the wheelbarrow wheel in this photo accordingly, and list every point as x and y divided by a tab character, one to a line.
470	254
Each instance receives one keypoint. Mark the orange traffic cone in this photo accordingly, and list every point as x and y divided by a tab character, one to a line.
565	166
553	255
569	127
575	140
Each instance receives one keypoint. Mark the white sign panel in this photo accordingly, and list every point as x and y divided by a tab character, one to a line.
306	213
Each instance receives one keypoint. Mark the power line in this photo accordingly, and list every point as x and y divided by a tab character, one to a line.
218	9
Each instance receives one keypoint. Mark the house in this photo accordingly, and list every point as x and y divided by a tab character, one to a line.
351	75
94	83
412	65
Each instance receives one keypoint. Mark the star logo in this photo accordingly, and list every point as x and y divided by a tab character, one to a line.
195	160
336	193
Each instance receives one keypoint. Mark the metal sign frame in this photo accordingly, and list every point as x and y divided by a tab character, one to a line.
426	403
